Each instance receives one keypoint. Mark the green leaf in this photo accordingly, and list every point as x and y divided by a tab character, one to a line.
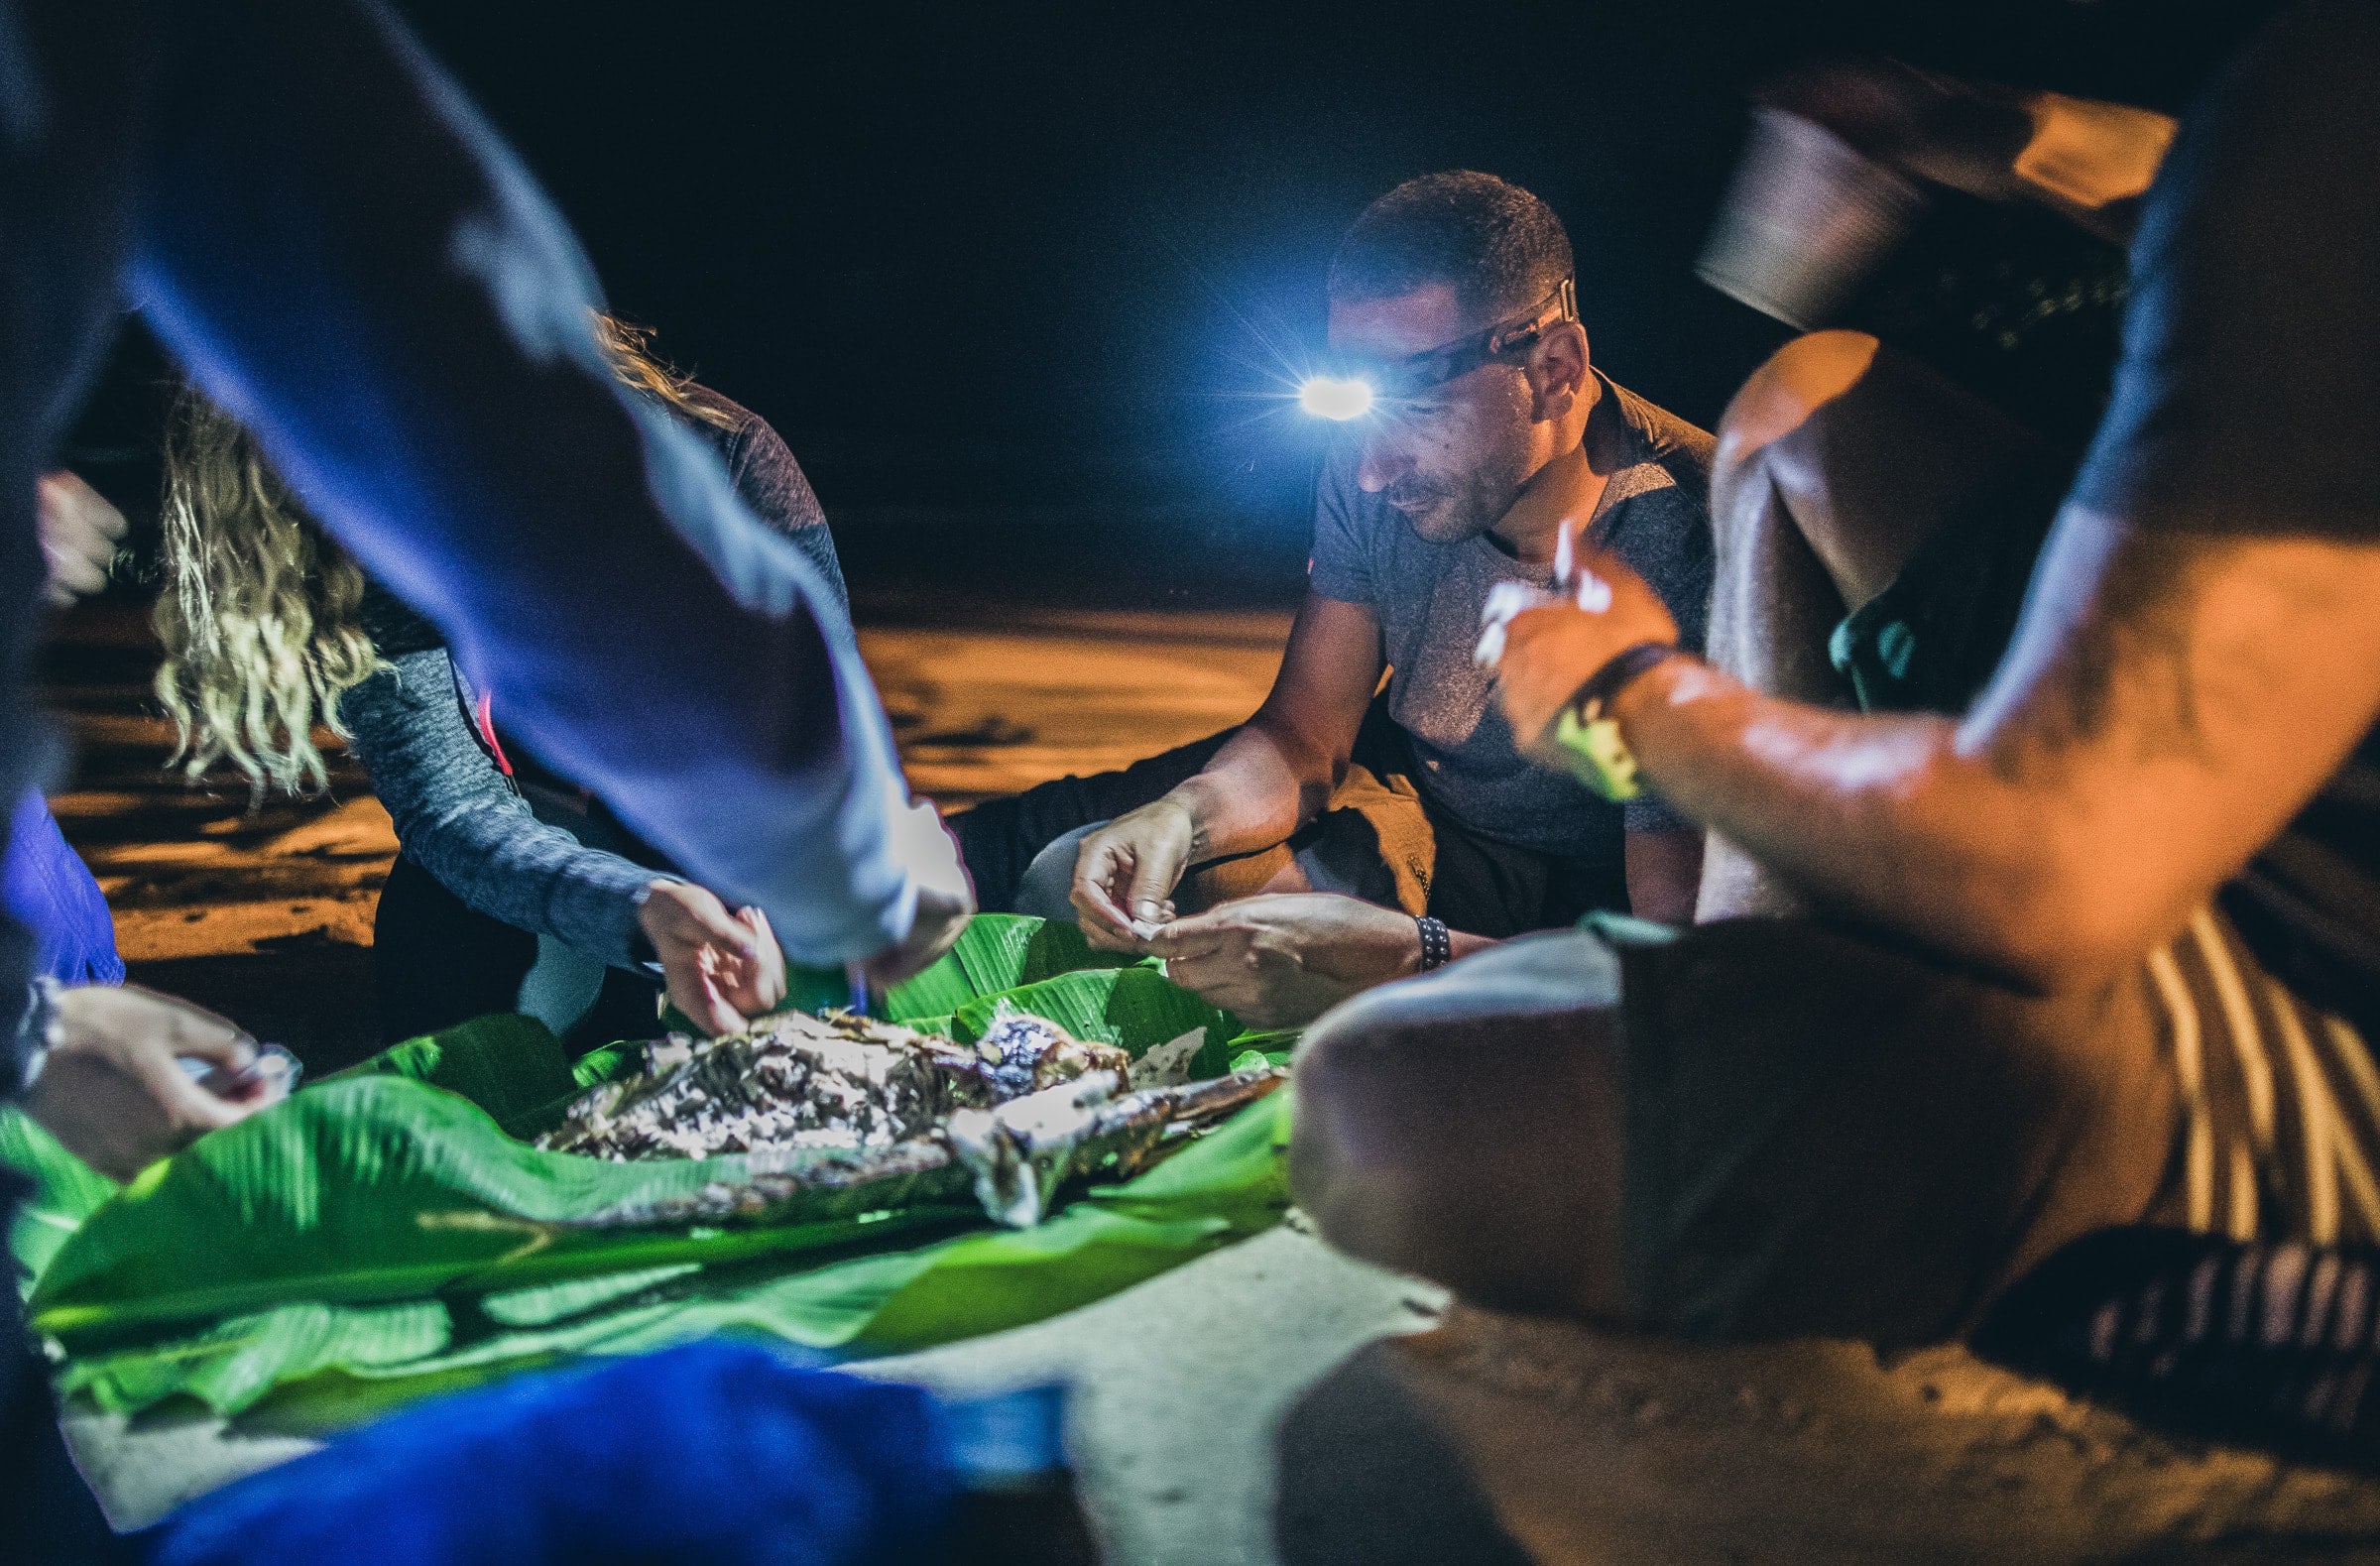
350	1366
508	1064
374	1189
998	953
1132	1008
232	1366
65	1191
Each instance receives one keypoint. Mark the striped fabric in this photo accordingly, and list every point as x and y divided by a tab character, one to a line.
2281	1136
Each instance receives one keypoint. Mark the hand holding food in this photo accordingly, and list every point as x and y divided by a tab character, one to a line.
720	967
1545	651
1125	872
1282	959
113	1087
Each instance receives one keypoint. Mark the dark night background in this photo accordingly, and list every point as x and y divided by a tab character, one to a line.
1019	282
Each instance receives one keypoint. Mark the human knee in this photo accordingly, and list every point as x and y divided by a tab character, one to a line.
1482	1152
1778	404
1046	888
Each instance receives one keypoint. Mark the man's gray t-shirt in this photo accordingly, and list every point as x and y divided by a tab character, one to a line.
1428	597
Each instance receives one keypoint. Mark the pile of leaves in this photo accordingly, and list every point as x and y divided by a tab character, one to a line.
391	1231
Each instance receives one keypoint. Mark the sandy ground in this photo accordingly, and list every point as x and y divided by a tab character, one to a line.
1481	1439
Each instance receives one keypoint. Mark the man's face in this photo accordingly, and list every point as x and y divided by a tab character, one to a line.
1452	458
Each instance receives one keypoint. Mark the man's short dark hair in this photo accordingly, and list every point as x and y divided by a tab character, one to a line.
1501	248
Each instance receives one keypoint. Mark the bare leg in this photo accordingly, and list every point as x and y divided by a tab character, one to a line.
1469	1127
1835	461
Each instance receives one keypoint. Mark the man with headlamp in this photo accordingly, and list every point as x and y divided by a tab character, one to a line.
2080	933
1475	431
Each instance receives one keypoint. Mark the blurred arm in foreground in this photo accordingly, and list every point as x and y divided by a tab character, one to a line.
424	366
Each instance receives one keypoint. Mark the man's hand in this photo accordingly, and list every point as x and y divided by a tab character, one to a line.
1284	959
1551	649
113	1091
1127	871
721	968
79	534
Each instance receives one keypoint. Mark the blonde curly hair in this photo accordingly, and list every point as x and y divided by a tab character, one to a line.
259	610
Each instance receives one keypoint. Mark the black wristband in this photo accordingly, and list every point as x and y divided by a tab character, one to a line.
1435	944
1614	677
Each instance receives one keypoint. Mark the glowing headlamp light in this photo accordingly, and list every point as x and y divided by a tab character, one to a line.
1327	397
1356	391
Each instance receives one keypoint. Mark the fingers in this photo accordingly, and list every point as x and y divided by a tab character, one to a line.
766	989
73	574
131	1010
1188	939
697	994
1105	923
78	532
692	915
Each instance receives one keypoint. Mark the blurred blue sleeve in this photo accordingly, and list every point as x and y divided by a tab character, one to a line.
47	888
714	1453
342	250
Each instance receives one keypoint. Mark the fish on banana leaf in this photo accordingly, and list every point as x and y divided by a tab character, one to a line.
839	1113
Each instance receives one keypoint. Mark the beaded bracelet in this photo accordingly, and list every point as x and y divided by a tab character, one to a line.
1435	944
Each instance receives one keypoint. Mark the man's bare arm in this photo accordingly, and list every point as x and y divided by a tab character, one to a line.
1267	781
1277	772
2171	700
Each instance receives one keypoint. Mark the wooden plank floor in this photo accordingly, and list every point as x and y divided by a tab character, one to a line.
263	910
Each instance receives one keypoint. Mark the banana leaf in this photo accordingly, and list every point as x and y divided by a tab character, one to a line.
353	1361
508	1064
65	1191
377	1188
385	1234
997	951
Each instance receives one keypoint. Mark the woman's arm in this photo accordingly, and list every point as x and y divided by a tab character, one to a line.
458	817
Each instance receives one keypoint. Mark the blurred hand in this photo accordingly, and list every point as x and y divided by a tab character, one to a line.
945	900
721	968
1952	132
1548	652
1282	959
1125	872
113	1091
79	535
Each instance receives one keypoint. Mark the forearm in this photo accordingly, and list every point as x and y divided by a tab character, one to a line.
458	818
1260	787
426	374
1882	817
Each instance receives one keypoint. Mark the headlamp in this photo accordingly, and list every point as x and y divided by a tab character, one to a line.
1352	390
1329	397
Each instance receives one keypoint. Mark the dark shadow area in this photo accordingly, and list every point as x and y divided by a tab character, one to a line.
1366	1480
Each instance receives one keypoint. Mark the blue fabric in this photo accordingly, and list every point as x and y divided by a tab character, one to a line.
49	889
715	1453
342	253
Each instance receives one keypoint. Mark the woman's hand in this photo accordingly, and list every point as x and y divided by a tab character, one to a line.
114	1090
79	534
1547	652
721	968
